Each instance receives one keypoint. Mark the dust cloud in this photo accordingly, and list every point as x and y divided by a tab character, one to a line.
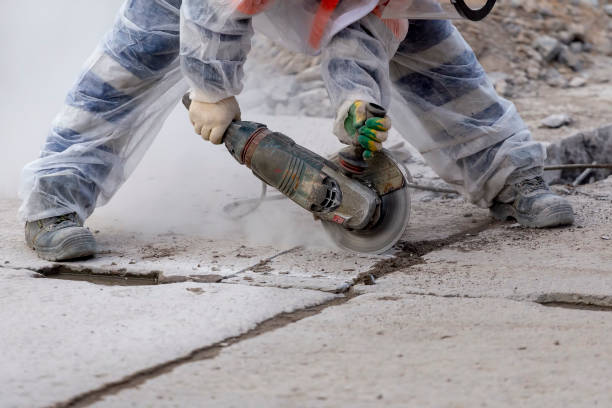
182	183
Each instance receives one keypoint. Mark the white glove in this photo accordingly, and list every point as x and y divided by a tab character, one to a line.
211	120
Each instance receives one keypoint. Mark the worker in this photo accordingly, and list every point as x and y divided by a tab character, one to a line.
446	107
443	102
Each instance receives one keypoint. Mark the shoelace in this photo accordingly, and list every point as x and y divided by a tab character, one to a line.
58	222
531	185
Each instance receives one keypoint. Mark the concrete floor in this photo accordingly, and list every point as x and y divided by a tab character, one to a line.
470	313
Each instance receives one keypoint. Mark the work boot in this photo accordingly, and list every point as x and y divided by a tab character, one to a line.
60	238
534	205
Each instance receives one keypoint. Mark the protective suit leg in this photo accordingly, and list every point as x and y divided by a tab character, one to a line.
446	107
112	114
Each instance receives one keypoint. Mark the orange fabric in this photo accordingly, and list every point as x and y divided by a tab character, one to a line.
321	19
399	27
251	7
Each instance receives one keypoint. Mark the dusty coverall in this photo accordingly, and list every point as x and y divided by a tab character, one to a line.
442	101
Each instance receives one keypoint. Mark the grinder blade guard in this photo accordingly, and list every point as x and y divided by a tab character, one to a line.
388	177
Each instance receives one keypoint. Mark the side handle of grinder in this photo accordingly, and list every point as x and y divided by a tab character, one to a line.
351	157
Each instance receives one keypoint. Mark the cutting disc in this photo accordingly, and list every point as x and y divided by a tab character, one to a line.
391	224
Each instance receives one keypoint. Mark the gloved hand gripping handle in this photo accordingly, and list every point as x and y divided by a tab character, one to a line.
351	157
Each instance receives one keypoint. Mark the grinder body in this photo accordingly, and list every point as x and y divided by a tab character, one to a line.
311	181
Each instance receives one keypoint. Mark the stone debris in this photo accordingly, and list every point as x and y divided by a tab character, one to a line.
577	82
548	47
557	121
531	43
583	147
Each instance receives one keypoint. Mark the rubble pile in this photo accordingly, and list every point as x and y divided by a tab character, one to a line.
592	146
527	43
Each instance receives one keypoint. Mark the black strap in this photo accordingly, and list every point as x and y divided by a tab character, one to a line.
471	14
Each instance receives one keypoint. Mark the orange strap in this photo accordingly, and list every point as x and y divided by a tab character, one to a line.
251	7
321	19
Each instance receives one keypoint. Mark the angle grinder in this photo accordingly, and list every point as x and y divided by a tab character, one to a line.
364	205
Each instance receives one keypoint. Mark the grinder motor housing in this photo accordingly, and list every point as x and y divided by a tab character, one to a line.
314	183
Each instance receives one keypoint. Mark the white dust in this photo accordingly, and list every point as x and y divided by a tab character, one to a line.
182	184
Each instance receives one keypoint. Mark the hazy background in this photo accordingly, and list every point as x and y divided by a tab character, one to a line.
182	183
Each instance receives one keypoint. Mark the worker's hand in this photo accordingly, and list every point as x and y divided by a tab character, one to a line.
211	120
353	127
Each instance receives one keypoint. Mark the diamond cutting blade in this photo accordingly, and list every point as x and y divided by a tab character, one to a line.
392	221
394	217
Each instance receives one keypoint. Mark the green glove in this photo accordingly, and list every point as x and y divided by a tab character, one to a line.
368	133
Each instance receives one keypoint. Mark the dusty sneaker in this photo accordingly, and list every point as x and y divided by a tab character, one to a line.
60	238
534	205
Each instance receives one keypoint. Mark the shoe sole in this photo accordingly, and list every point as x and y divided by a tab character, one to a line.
555	216
77	246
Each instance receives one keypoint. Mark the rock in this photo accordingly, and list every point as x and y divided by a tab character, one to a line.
533	70
556	121
577	82
565	37
608	9
504	88
584	147
553	156
554	78
569	58
577	47
548	47
521	78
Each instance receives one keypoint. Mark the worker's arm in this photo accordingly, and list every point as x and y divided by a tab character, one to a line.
355	68
215	41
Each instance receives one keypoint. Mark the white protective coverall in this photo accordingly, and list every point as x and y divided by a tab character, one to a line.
442	101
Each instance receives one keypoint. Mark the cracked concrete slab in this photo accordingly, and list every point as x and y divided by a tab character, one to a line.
121	251
61	338
323	269
175	257
565	264
404	350
310	268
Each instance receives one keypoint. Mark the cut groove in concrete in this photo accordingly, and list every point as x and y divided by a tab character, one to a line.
577	306
69	272
576	301
209	352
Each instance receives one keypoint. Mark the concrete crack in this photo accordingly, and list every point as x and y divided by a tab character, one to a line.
263	263
122	277
209	352
412	253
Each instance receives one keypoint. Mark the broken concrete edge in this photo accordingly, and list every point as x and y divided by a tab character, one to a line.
588	146
209	352
408	254
123	277
404	255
